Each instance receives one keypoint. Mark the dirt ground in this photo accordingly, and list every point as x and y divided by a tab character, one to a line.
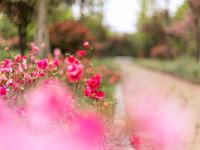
141	83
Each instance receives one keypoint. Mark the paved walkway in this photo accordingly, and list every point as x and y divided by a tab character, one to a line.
141	83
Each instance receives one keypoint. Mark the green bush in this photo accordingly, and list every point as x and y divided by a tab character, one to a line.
119	46
184	67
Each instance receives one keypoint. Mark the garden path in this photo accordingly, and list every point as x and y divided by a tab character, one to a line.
142	83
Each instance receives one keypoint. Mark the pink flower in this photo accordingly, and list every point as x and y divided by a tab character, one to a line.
90	128
9	82
17	58
75	72
86	44
94	82
56	62
15	86
3	90
74	69
135	141
99	95
20	58
42	64
51	100
166	124
32	59
6	66
57	52
72	59
81	53
42	74
93	88
35	49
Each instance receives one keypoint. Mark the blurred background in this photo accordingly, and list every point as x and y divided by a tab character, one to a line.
163	29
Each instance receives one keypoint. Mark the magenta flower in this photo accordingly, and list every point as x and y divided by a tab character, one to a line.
135	141
42	64
3	91
81	53
86	44
93	88
74	69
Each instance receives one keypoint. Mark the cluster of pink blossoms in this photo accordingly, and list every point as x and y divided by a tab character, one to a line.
74	69
20	73
93	88
42	64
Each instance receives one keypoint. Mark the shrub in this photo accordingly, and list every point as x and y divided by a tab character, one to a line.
69	34
119	45
162	51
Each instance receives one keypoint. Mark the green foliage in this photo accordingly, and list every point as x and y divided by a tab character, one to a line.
182	10
7	28
151	33
59	13
184	67
138	47
94	23
119	46
143	13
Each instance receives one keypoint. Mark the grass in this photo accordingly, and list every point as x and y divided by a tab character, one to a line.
111	65
185	68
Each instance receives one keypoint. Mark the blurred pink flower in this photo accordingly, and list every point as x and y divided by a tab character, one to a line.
86	44
36	126
168	124
57	52
81	53
35	49
50	101
135	141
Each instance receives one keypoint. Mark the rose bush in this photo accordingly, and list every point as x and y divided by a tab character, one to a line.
39	97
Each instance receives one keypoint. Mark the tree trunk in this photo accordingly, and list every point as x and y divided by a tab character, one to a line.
22	39
82	3
42	37
167	23
197	28
195	7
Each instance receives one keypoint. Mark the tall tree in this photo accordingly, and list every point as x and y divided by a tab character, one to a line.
82	4
195	7
20	12
42	36
143	13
